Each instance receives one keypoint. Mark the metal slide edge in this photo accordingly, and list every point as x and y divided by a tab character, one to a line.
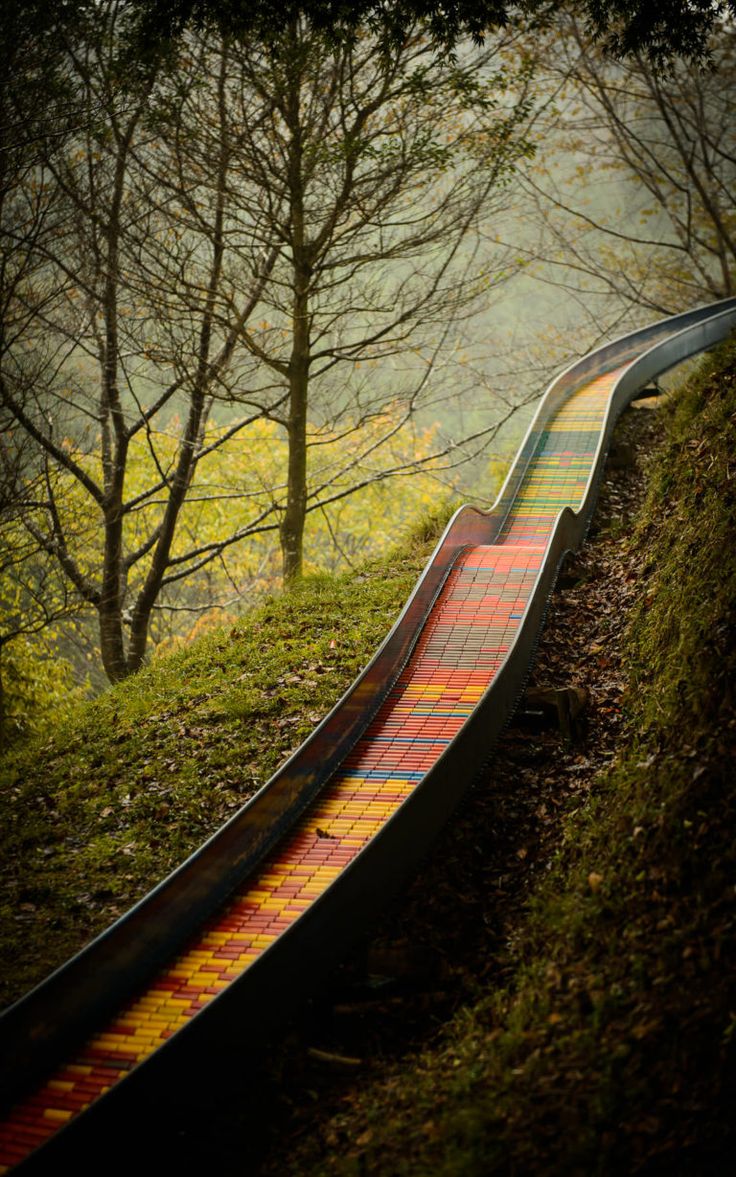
408	832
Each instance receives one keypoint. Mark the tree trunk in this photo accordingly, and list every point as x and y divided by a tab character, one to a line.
110	605
292	525
112	646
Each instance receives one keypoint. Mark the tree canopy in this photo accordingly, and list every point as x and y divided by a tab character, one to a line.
662	29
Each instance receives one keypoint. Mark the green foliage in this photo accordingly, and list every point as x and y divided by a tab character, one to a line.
625	27
498	467
35	683
231	489
38	687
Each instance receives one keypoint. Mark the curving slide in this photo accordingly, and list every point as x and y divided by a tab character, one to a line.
204	967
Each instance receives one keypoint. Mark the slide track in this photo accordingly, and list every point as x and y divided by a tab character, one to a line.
202	968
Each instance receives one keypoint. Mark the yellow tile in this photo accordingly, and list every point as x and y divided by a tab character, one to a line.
59	1115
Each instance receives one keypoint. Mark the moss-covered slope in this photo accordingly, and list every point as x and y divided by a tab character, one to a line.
134	781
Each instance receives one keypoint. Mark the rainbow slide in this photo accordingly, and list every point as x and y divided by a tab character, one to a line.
200	971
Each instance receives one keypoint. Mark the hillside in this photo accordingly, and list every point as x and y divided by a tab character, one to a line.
554	994
119	795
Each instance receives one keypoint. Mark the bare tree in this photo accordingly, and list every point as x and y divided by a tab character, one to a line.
222	236
643	207
124	329
370	174
33	594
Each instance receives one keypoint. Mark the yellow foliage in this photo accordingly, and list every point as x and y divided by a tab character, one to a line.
243	481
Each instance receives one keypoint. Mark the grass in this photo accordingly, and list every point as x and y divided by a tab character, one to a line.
134	781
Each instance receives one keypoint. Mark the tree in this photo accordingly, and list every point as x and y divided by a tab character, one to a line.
144	245
361	525
666	145
120	318
34	596
368	176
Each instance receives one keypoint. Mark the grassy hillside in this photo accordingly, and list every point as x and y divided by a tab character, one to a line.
135	780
